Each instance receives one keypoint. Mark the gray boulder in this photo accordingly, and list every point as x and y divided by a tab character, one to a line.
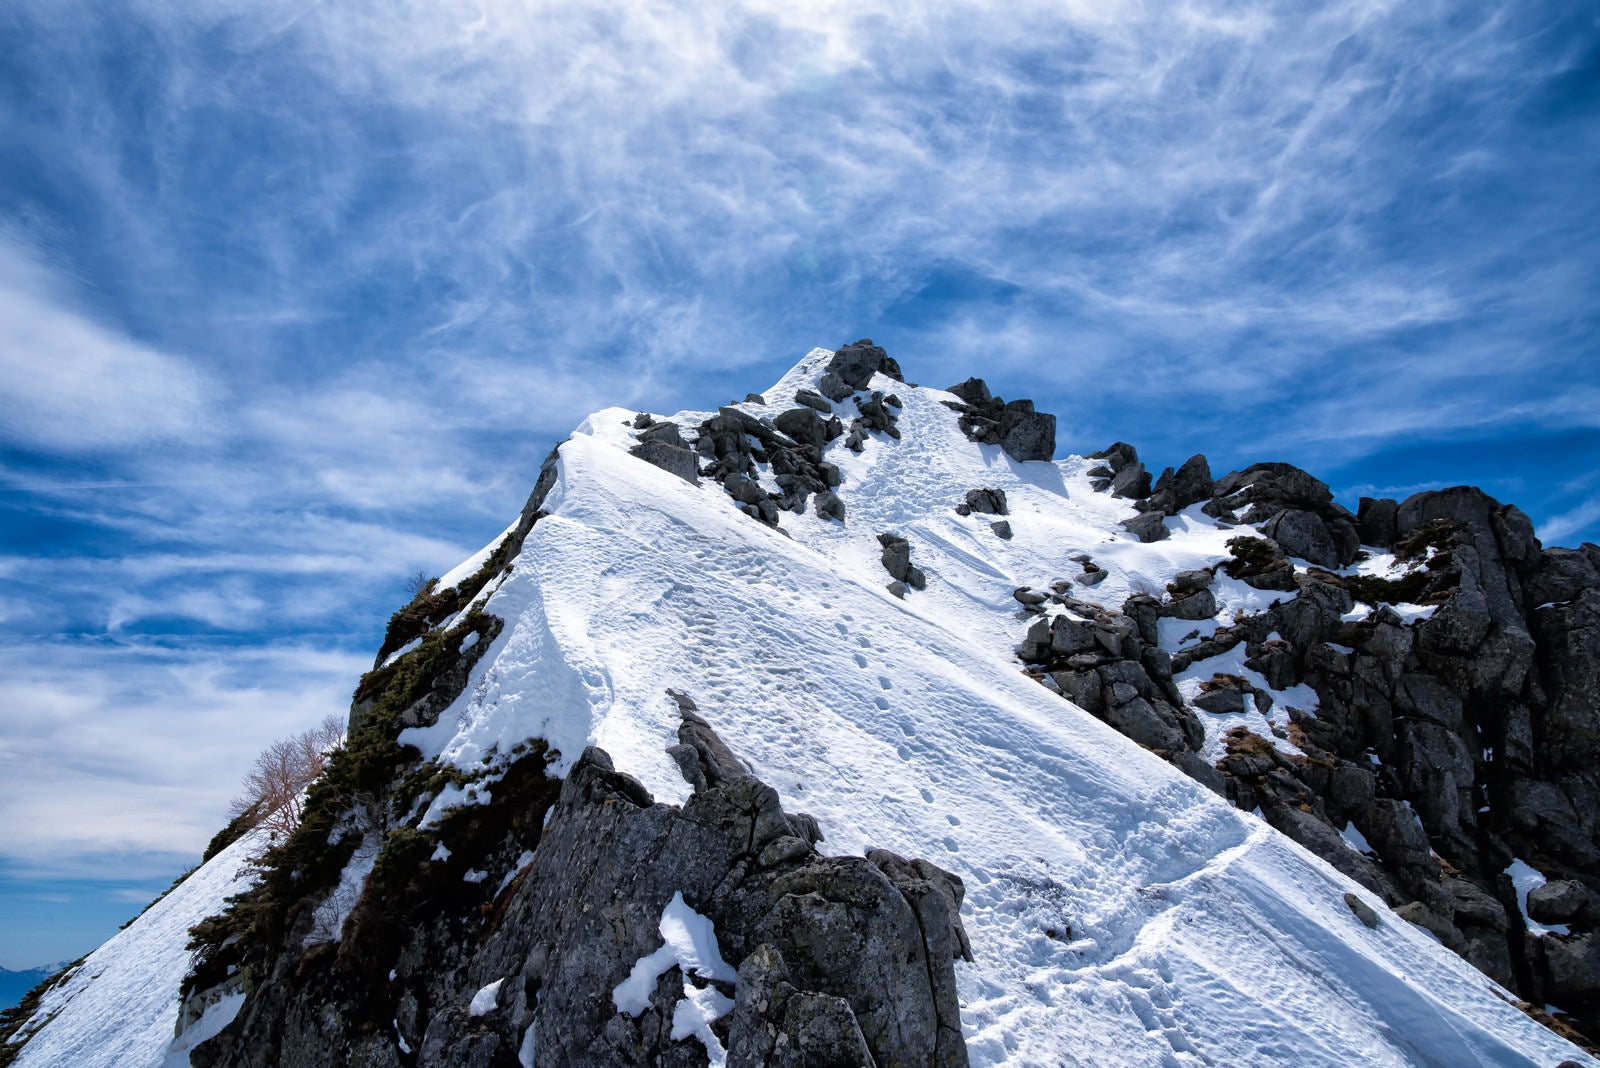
1303	534
1149	527
896	559
812	399
1558	901
1376	520
807	427
676	459
1026	434
1176	490
987	501
856	363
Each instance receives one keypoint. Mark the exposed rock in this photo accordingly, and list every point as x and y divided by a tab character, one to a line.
744	489
834	387
1303	534
1132	481
838	957
1002	529
1121	473
1321	531
1175	491
829	506
987	501
856	363
1558	902
662	444
1148	527
876	414
1222	700
1363	911
1453	743
812	399
973	391
1562	575
896	558
1028	597
1024	434
1375	520
774	1025
809	428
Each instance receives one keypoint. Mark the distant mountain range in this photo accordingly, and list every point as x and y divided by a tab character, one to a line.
15	984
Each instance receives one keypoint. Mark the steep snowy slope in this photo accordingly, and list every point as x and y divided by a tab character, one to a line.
120	1006
1119	912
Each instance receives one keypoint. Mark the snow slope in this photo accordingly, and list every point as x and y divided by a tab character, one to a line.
1119	912
119	1008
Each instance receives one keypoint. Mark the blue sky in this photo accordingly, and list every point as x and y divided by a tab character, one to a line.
295	296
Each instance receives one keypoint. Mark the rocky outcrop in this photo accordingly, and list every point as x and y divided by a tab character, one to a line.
1111	665
790	446
1295	510
1176	490
1120	472
661	443
735	446
852	366
1446	744
812	958
1024	434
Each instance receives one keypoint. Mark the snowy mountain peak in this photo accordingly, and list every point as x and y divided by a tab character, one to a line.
1132	768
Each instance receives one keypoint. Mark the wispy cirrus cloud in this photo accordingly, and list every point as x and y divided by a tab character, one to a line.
135	752
70	383
321	283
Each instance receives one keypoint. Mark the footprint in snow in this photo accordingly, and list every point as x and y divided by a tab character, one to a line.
861	661
882	703
927	795
883	680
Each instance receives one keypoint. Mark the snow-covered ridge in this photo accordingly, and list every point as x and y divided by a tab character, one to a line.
1119	911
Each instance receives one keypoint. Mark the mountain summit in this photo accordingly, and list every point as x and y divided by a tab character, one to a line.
844	725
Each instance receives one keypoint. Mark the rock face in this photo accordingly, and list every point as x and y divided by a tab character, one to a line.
839	959
1453	744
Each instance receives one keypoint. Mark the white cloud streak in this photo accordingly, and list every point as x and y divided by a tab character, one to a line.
139	751
70	383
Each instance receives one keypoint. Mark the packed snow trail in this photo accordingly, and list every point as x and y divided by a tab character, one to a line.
1119	912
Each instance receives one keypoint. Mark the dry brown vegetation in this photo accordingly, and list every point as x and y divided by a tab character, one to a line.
274	788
